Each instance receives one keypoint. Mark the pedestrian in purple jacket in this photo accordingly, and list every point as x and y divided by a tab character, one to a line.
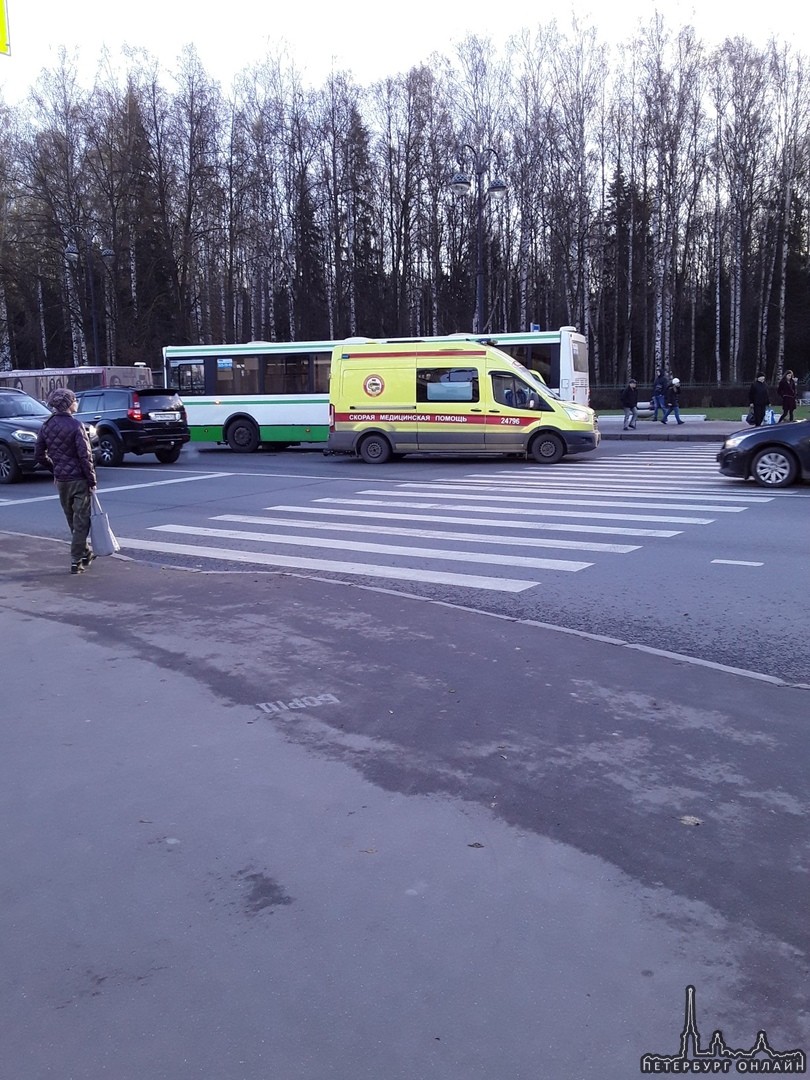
64	448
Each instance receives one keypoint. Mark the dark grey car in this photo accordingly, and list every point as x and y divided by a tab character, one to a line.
21	417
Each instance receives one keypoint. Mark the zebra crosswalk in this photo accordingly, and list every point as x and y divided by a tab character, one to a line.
503	530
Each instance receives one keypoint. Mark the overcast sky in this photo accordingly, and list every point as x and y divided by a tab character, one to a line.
369	38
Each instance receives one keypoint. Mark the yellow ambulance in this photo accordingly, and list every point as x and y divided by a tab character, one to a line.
388	398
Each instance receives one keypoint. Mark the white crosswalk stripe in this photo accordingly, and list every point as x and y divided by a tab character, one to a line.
420	531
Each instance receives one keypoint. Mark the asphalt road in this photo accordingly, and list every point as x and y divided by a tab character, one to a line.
273	820
646	543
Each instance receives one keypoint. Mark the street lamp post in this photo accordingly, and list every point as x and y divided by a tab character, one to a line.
461	184
72	256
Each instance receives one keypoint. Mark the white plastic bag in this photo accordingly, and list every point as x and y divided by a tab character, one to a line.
102	538
770	416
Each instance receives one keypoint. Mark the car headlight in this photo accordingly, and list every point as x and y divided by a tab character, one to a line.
581	415
21	435
734	441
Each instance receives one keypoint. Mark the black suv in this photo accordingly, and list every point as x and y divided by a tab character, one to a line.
135	421
21	417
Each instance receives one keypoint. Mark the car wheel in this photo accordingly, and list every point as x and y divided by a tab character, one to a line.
243	437
170	455
774	467
375	449
547	449
110	450
10	471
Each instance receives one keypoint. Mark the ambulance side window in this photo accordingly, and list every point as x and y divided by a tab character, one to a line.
447	384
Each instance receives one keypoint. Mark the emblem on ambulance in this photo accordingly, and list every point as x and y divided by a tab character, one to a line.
373	385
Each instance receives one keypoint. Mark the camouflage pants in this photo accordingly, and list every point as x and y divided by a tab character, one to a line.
74	495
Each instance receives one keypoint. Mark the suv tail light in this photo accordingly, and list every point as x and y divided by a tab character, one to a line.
134	412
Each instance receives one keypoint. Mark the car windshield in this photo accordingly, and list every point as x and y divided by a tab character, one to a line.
14	405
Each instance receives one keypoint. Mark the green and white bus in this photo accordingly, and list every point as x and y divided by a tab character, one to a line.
276	394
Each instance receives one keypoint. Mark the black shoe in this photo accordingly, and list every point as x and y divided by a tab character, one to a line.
87	559
77	568
681	421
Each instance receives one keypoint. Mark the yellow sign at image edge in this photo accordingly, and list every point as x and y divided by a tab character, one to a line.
5	45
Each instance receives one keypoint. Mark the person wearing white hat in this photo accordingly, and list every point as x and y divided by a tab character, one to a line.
671	398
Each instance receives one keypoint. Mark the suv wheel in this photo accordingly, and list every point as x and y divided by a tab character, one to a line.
110	450
169	455
10	471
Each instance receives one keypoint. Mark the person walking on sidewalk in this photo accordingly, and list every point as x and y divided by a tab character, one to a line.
64	448
659	394
759	398
671	398
629	400
787	392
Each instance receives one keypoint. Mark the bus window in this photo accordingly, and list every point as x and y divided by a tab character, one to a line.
286	373
189	378
579	356
321	362
238	376
296	374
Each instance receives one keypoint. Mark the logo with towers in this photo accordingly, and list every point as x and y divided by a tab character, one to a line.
718	1057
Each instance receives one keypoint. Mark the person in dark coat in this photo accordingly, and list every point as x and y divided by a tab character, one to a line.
629	400
671	398
787	392
64	448
759	398
659	391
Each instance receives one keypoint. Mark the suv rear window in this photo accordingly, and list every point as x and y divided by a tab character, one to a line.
154	402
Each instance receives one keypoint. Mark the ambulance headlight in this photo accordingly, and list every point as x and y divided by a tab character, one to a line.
580	415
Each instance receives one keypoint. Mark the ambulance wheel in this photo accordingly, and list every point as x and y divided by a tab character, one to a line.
375	449
547	449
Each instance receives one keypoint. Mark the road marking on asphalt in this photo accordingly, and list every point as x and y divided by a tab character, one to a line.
437	577
377	549
512	499
429	534
736	562
121	487
499	523
641	502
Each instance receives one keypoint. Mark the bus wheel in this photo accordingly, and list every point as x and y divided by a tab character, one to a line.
375	449
547	449
243	437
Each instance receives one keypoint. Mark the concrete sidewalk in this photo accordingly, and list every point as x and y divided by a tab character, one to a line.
260	825
692	430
